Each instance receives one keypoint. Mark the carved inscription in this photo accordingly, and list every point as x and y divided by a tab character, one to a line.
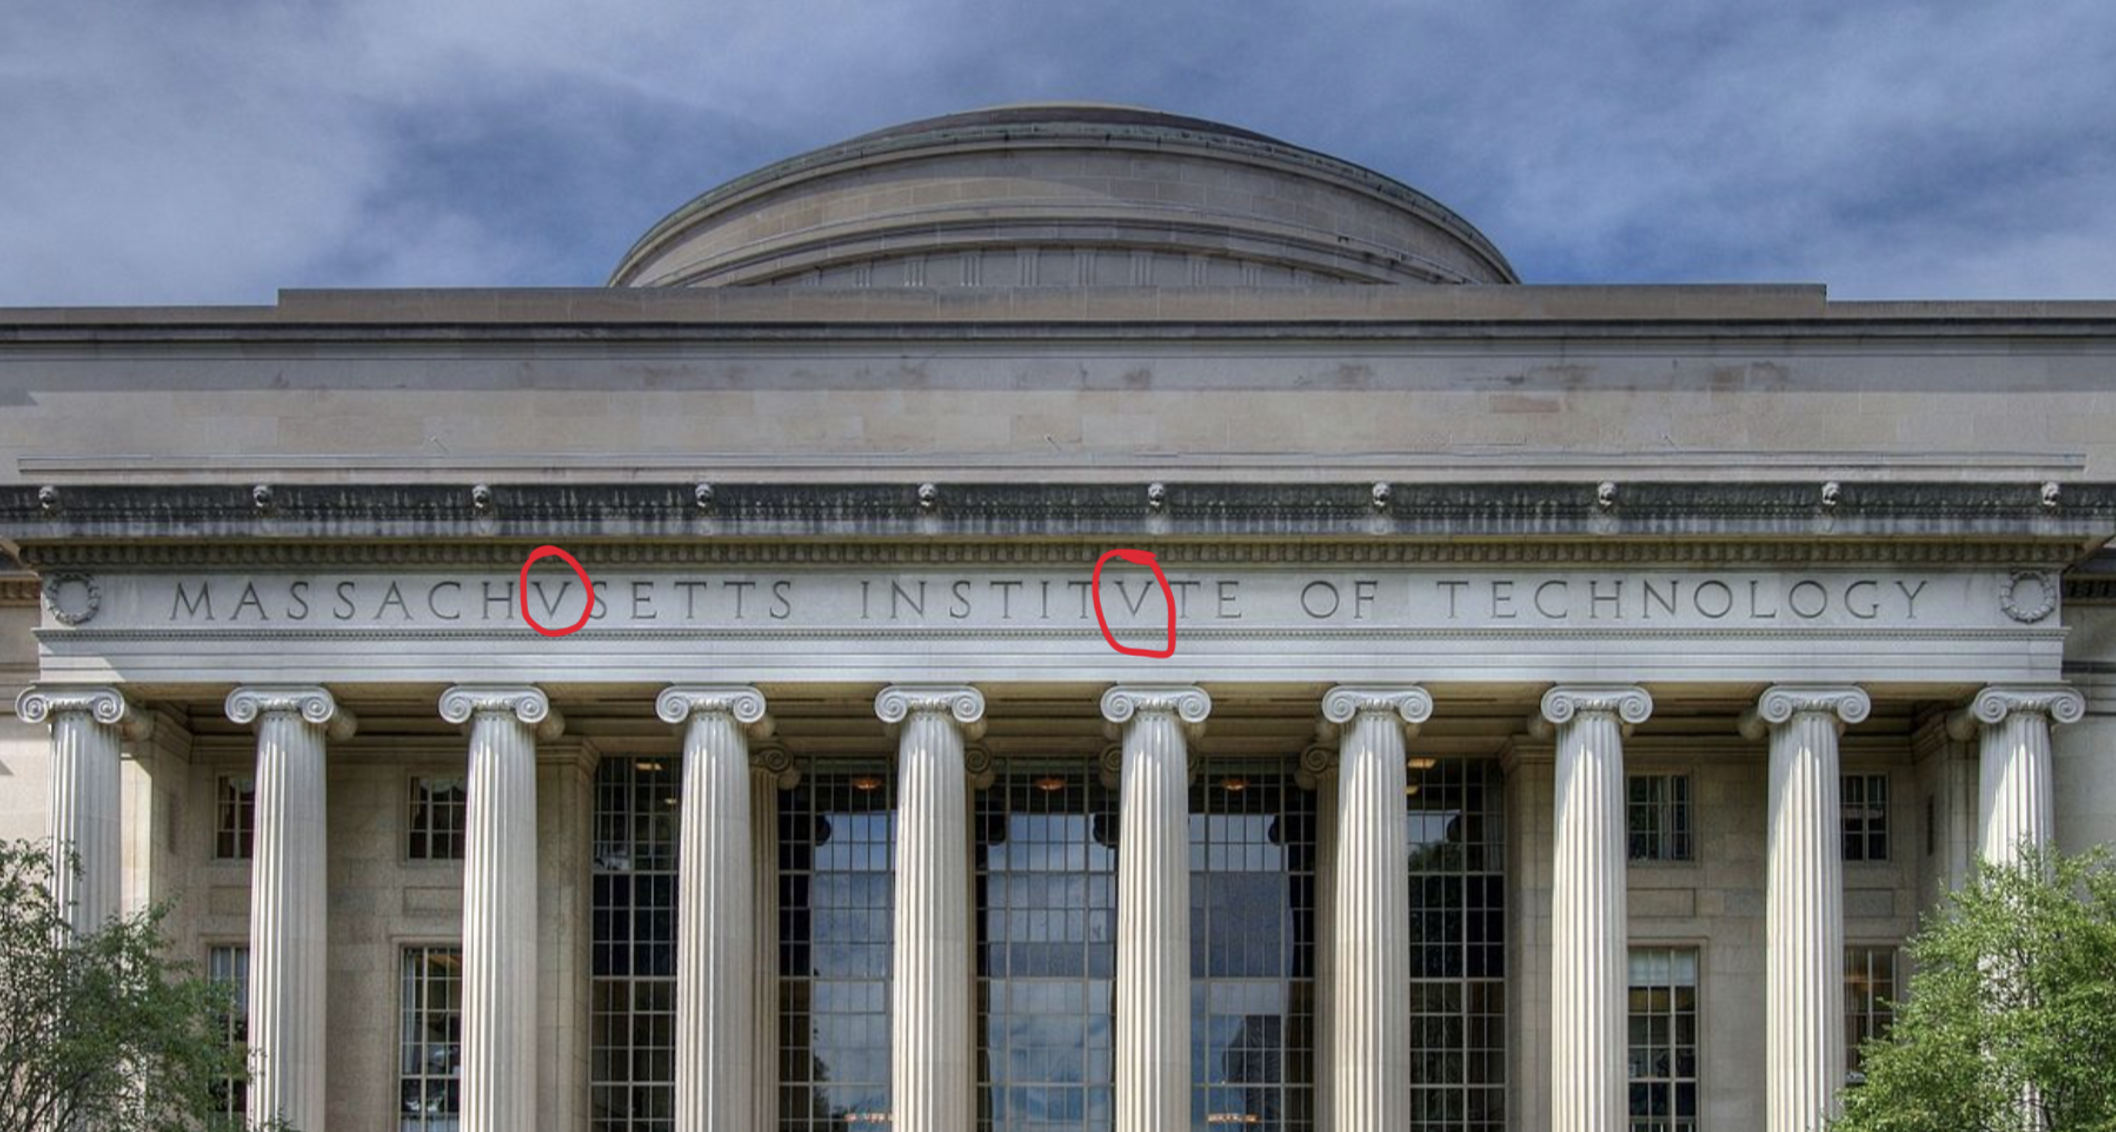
1130	598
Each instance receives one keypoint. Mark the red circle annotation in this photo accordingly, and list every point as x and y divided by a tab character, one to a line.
1141	558
522	590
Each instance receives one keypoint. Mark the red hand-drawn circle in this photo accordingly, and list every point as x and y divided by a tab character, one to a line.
522	591
1140	558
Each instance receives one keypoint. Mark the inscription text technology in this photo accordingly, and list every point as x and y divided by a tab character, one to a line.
1403	599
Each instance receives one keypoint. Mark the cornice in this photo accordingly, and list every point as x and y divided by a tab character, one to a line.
708	551
677	523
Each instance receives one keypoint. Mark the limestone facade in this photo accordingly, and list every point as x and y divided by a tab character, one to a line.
1422	528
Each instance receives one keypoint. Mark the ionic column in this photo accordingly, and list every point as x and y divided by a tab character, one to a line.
1804	898
1153	902
2014	800
932	1078
87	724
770	771
499	902
289	915
1588	932
1371	919
716	909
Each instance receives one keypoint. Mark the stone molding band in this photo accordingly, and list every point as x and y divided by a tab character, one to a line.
530	706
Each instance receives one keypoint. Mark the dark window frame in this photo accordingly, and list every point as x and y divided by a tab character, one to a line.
1660	817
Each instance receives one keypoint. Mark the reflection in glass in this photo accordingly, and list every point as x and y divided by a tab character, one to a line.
1046	949
1662	1055
1252	946
429	1067
1458	945
228	966
836	911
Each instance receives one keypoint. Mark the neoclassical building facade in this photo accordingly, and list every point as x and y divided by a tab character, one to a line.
1518	707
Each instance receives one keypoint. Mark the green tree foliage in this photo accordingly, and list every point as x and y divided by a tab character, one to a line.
2010	1022
103	1031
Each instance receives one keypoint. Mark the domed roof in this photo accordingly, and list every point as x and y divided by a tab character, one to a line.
1061	194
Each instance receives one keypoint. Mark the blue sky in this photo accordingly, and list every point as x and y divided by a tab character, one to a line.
212	151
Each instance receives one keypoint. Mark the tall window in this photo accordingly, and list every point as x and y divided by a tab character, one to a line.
1046	949
836	903
1252	946
429	1069
439	810
1869	998
228	965
632	1003
1458	945
235	820
1657	816
1663	1039
1865	799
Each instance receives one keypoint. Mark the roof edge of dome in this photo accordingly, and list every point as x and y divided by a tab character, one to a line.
1058	122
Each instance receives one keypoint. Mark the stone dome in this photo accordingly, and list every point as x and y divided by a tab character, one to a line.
1061	195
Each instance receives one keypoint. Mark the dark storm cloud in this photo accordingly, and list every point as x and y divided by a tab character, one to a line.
214	152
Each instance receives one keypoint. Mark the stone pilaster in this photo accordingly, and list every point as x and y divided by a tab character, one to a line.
2014	778
499	902
1153	902
1370	1023
289	906
771	770
1588	931
87	725
1804	901
716	996
932	1075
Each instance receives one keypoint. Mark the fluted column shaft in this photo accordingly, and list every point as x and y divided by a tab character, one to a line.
499	902
716	910
1153	903
289	911
932	1079
1804	902
2015	783
87	724
1370	1043
1590	967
